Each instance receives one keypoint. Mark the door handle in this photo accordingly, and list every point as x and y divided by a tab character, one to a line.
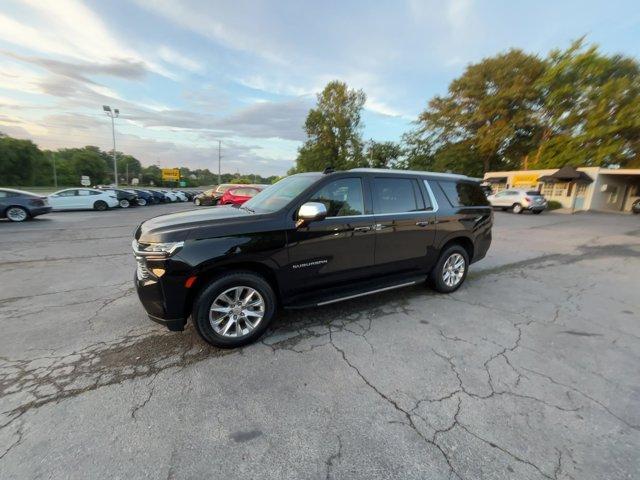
379	226
423	224
362	229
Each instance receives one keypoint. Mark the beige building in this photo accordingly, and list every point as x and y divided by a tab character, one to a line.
585	188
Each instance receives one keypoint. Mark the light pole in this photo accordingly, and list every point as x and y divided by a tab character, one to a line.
113	115
219	147
55	174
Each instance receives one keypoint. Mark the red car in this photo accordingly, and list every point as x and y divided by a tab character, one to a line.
239	195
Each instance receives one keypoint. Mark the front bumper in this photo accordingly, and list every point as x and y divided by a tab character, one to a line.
152	296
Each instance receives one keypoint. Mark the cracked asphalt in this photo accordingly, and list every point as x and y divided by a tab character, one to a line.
529	371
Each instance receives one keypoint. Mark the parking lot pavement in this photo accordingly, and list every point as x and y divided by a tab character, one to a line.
529	371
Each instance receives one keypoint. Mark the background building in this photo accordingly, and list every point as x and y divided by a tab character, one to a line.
587	188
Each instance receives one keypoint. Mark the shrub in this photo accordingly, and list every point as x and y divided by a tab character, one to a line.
553	205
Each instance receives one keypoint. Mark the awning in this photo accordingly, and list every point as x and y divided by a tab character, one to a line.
567	174
496	179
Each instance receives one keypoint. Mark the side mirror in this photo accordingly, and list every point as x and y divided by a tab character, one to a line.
311	212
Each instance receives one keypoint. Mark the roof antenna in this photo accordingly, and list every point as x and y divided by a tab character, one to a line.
328	170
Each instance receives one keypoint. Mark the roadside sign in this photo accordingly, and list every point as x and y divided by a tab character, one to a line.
135	181
183	183
85	181
171	174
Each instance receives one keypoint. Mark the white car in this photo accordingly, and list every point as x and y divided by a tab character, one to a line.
170	195
518	200
82	199
181	196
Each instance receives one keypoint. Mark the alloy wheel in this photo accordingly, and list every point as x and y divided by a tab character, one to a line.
17	214
237	311
453	270
124	203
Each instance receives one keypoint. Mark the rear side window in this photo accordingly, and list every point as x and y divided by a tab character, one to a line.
342	197
463	194
533	193
397	195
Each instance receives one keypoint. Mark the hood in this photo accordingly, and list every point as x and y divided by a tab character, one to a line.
176	227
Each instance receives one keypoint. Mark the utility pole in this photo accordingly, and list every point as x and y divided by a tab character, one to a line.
113	115
219	147
55	175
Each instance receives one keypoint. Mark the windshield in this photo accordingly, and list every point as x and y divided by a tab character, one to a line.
279	194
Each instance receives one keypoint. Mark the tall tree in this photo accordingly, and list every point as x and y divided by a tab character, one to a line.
590	112
492	108
383	154
333	130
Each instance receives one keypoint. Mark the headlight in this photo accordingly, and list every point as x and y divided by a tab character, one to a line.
161	250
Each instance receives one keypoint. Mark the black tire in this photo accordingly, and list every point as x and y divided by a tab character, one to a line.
100	206
537	212
204	300
16	213
142	202
436	277
124	203
517	208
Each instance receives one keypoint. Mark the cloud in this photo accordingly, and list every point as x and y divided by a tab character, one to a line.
173	57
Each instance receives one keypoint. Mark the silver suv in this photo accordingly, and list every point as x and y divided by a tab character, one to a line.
518	200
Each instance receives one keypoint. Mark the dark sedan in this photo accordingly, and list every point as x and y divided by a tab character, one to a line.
126	198
18	206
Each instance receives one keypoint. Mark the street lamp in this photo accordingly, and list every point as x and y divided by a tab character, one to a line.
113	115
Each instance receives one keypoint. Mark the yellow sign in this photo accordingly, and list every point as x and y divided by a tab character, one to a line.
171	174
524	179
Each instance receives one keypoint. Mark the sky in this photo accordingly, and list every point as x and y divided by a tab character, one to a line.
186	75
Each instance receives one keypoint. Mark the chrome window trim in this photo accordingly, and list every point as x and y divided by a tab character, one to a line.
432	197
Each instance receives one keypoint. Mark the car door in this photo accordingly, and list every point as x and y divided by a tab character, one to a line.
340	248
405	224
64	199
85	199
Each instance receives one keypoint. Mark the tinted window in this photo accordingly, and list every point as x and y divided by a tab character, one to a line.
68	193
396	195
280	194
463	194
533	193
342	197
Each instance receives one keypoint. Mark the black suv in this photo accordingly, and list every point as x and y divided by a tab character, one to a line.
311	239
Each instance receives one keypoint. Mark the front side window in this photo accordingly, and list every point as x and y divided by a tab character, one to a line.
280	194
342	197
396	195
68	193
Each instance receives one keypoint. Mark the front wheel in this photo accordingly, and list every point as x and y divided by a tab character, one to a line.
142	202
517	208
234	309
197	201
124	203
17	214
451	270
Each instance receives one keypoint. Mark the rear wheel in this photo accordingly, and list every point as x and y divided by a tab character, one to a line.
100	205
234	309
17	214
451	269
197	201
517	208
142	202
124	203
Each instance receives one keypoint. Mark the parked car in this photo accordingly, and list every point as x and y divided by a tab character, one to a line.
211	197
126	198
144	197
83	199
519	200
238	195
18	205
635	207
169	195
181	196
309	240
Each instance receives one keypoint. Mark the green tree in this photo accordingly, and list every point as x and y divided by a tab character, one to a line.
383	154
492	108
333	130
590	111
21	161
